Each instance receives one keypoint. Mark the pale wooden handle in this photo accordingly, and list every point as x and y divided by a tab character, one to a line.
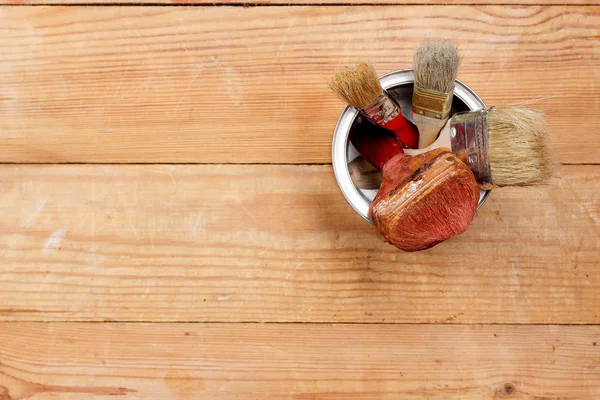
429	128
442	141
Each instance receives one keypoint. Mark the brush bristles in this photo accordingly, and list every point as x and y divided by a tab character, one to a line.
435	64
357	86
518	146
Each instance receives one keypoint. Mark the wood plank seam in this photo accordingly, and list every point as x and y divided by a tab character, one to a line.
424	3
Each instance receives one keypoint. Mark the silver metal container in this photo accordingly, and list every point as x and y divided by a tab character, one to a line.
400	85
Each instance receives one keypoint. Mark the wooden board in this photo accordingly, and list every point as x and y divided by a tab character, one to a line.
298	361
300	2
246	85
279	243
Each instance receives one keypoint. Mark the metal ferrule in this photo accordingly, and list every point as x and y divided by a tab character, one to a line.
382	110
469	138
431	103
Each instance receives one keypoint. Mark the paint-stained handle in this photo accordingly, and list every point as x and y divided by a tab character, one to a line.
376	145
404	130
385	112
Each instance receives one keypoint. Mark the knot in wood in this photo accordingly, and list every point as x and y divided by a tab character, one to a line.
509	389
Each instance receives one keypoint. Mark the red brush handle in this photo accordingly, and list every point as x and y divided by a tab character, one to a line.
376	145
404	130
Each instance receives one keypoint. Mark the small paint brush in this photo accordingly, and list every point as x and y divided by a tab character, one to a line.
360	87
435	66
503	146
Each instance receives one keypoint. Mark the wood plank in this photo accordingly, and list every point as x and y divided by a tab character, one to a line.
298	361
303	2
279	243
246	85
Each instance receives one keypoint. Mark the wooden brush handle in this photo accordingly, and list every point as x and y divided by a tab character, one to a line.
443	140
404	130
385	112
429	128
378	146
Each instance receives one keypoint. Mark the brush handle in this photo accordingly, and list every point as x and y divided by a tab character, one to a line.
404	130
443	140
378	146
385	112
429	128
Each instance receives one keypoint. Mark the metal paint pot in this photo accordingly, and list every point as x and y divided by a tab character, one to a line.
400	85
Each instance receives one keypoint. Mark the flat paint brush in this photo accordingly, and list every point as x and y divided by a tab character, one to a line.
424	199
503	146
360	87
435	66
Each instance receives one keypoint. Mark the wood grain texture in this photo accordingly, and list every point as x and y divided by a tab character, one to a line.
299	361
303	2
279	243
245	85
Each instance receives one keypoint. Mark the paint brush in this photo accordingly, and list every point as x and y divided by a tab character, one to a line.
424	199
360	87
435	66
503	146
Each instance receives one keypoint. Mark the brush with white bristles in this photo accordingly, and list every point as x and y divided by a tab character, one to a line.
503	146
435	66
360	87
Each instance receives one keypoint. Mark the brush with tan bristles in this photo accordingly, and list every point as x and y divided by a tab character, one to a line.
435	66
503	146
360	87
